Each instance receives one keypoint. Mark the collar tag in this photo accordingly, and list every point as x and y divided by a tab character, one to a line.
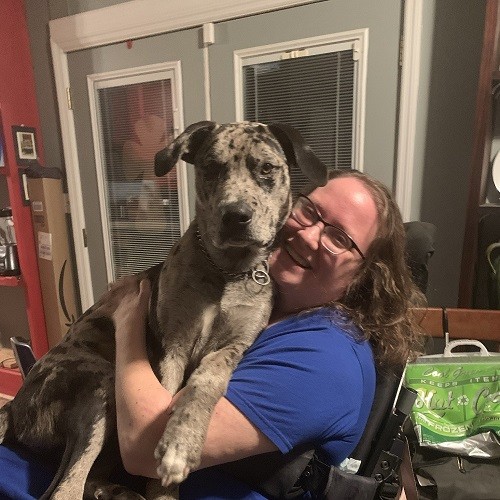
261	276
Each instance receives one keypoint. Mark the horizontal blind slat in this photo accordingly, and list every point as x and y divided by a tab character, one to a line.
136	121
314	94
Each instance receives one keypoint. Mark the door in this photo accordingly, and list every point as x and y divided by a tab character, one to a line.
374	79
127	103
134	113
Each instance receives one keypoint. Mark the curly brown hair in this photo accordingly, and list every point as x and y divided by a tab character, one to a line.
380	298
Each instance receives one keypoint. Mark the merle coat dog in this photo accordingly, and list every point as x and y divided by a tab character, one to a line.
211	298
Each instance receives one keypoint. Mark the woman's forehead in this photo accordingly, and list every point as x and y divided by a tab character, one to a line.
348	202
342	192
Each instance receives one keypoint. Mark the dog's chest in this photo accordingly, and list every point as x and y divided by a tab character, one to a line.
243	305
203	323
207	336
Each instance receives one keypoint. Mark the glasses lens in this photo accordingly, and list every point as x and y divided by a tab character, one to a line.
304	212
335	240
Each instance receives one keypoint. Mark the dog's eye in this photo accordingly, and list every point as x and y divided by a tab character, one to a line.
213	170
266	168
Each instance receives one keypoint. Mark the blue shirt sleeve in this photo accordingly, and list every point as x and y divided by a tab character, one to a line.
308	379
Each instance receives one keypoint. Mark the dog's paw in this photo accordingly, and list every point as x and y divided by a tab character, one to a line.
175	462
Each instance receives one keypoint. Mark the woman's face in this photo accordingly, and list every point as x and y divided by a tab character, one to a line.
306	273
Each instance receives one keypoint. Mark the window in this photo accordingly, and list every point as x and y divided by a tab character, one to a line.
313	85
134	119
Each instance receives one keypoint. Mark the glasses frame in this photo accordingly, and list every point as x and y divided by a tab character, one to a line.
326	224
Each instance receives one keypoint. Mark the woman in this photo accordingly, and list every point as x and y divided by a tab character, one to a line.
344	293
342	306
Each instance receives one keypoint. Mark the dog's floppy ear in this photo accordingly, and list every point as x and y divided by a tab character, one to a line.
183	146
299	153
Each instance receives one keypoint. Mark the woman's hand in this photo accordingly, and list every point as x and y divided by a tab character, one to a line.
130	315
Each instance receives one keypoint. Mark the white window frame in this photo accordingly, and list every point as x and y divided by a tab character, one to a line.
153	72
357	40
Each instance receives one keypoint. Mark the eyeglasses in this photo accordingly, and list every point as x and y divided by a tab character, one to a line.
333	238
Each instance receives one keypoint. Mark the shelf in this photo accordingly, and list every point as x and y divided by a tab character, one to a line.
489	205
474	270
10	280
18	104
10	378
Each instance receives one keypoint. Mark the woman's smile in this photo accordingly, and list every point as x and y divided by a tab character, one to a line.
295	256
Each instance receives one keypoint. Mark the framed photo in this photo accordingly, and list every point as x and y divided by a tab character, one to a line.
25	144
2	145
2	154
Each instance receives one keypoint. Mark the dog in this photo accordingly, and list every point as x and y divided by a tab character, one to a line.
210	299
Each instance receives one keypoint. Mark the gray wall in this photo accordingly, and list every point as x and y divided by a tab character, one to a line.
451	43
61	8
382	18
449	73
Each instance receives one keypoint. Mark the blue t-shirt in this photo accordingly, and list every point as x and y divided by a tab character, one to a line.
307	379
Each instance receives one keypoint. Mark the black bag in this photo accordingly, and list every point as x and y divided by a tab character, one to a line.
443	476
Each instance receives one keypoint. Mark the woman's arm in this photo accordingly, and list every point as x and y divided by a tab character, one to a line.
144	405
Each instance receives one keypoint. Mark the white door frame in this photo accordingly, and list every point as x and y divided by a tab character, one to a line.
140	18
140	74
408	106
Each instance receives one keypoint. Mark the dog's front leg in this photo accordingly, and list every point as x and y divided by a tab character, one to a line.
179	450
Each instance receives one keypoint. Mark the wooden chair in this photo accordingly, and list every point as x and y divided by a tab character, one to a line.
478	324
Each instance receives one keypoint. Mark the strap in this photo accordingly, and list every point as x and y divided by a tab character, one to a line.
407	475
327	482
316	477
489	251
273	474
344	486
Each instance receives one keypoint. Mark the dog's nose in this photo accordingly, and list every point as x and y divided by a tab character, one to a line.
236	216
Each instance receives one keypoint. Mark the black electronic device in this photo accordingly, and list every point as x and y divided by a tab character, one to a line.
23	353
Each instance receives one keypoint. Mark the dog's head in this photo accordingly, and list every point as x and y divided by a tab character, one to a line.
242	177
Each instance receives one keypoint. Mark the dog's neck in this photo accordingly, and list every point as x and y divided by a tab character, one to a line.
250	265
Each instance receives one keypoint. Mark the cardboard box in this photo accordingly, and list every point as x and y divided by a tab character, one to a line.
54	257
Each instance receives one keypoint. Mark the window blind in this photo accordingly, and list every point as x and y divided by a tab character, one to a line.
313	93
135	122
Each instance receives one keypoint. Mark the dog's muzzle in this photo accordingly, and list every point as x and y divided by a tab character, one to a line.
235	223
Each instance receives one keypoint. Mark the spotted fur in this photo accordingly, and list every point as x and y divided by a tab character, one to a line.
205	312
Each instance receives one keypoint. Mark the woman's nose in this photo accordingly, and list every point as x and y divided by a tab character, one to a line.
312	235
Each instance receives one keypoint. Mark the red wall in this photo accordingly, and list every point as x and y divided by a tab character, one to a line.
18	106
17	83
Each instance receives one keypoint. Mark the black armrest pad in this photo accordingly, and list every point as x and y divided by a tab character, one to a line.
419	249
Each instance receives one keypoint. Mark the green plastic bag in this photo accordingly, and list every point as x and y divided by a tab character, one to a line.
458	405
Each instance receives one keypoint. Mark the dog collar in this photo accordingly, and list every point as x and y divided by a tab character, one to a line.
259	273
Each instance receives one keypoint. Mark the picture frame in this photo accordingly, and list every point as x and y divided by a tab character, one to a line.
24	144
2	145
2	152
